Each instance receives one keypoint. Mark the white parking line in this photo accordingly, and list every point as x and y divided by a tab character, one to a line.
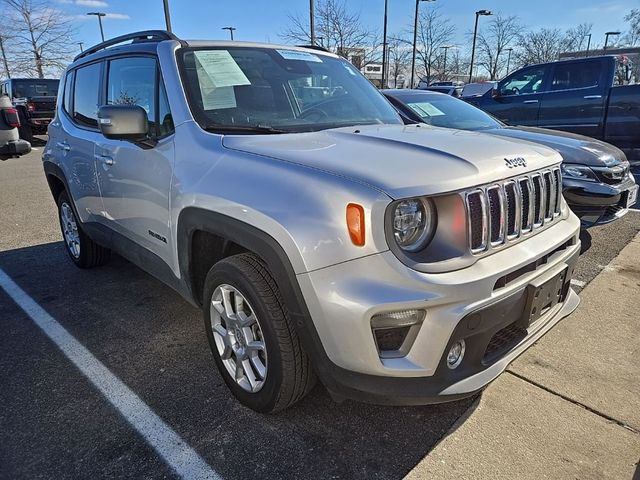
180	456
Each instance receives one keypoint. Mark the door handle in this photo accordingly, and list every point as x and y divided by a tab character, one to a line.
106	159
63	146
530	101
592	97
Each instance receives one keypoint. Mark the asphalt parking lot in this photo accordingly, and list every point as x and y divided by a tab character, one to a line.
55	424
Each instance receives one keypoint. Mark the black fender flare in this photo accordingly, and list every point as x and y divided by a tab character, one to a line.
192	219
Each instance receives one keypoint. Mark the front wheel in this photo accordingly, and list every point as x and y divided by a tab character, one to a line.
253	340
84	252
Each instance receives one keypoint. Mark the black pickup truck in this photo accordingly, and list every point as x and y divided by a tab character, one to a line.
589	96
35	100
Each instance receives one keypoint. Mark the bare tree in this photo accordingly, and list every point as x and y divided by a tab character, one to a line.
632	37
493	41
434	31
546	44
44	36
399	57
337	27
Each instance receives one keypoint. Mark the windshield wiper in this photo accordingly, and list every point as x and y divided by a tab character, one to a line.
243	128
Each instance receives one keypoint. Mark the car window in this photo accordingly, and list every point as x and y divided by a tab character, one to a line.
445	111
132	81
66	101
165	120
287	90
35	88
86	95
574	75
526	81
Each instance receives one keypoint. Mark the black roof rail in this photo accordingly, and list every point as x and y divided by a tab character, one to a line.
314	47
143	36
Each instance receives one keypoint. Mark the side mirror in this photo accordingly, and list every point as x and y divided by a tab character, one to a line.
495	92
123	122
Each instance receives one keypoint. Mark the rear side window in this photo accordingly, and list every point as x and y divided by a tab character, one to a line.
86	95
66	101
574	75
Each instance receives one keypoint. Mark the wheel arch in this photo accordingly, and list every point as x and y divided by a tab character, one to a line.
55	179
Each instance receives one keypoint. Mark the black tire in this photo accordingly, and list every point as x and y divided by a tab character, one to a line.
90	253
289	373
26	133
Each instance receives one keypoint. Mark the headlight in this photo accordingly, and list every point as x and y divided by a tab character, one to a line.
581	172
414	222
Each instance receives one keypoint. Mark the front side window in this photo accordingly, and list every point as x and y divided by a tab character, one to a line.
257	89
134	81
86	95
524	82
574	75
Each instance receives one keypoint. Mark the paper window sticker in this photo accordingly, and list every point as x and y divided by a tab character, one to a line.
220	68
218	98
425	108
297	55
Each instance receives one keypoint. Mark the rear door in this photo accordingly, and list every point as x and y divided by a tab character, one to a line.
574	99
519	96
73	136
135	178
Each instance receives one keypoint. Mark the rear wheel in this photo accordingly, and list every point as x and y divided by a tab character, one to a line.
253	340
84	252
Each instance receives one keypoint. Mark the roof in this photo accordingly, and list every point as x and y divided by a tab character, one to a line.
147	41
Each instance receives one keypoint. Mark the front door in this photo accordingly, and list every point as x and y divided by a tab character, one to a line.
135	178
519	97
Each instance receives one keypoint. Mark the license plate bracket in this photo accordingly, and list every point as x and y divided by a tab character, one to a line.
543	294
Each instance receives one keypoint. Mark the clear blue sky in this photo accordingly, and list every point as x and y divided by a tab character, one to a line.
264	21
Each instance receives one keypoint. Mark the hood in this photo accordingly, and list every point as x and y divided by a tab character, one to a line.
402	161
573	148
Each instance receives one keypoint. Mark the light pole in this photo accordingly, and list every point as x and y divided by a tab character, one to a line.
606	38
444	67
99	15
384	46
508	59
588	44
167	17
475	32
415	40
312	26
231	29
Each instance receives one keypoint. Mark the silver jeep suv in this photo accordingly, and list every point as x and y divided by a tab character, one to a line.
276	188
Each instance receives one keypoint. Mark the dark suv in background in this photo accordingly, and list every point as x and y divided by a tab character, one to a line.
35	100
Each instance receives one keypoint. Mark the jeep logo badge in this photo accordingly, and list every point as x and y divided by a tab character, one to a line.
515	162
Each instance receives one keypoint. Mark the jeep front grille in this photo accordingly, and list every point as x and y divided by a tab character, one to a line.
502	212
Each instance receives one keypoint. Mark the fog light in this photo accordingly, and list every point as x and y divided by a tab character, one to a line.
454	357
394	332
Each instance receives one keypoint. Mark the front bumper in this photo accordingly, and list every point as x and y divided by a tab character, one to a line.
595	202
342	299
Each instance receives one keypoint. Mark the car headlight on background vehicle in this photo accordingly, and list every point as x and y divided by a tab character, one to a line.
580	172
414	222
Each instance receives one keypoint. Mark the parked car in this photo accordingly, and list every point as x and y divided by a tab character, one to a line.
325	239
453	91
34	98
576	96
11	145
597	182
477	89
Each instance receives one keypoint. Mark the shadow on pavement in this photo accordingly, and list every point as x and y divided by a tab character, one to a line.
155	342
585	239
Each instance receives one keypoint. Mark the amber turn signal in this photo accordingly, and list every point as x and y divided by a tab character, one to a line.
355	223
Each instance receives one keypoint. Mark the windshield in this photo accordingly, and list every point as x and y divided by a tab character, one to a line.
445	111
278	90
35	88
